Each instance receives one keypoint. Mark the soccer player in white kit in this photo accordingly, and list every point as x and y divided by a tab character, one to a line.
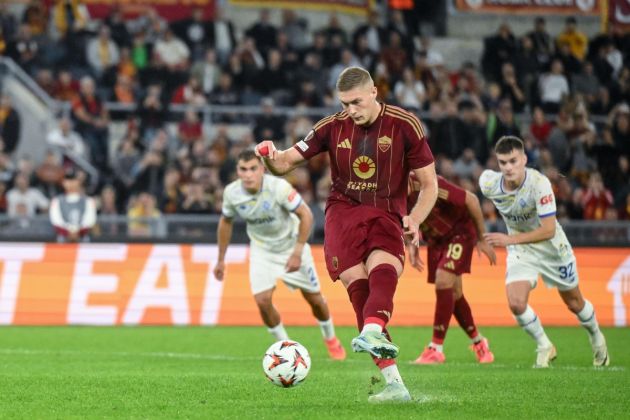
536	245
278	225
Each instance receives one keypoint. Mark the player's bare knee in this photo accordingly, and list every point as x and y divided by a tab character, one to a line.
263	301
518	306
575	305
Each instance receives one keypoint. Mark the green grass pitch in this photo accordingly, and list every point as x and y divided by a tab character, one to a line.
216	373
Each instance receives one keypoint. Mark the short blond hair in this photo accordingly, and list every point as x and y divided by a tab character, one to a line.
353	77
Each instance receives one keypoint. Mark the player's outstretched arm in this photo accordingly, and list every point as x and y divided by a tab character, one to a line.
428	192
545	231
474	209
303	212
224	235
279	162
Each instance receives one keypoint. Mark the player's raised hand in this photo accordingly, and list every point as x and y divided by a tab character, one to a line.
483	246
411	230
414	257
293	263
219	270
497	239
266	150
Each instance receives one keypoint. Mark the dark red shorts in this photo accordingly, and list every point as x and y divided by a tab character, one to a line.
454	256
352	232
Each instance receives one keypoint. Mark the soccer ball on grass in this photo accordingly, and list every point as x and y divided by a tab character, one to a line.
286	363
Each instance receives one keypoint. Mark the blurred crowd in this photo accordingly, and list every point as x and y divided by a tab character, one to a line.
566	95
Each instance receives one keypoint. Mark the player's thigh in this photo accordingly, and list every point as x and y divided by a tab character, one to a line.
561	275
344	239
306	277
385	243
264	269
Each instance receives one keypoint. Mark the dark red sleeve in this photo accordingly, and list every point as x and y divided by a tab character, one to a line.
417	147
451	192
316	141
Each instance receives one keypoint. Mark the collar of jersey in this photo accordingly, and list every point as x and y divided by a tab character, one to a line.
516	190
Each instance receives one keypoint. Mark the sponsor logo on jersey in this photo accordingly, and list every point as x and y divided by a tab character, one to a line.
344	144
362	186
522	202
364	167
292	194
450	265
546	199
519	217
384	143
266	205
261	220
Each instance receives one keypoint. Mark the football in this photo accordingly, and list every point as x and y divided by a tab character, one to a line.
286	363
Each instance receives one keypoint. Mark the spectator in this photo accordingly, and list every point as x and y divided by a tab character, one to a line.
103	55
49	174
144	217
22	193
410	93
152	112
263	32
195	31
73	214
540	128
542	42
222	36
375	34
394	56
207	72
268	125
296	30
195	200
511	89
466	165
553	88
597	198
24	49
92	121
190	129
171	197
573	37
497	49
10	123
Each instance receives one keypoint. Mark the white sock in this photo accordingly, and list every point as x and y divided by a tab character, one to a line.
328	329
372	328
530	322
391	374
588	320
279	332
438	347
477	339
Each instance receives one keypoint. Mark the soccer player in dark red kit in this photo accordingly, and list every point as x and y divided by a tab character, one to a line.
452	230
372	148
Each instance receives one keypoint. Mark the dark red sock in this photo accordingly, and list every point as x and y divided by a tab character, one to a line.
358	291
443	313
380	303
464	316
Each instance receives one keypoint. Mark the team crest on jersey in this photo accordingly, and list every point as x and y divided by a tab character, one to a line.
266	205
364	167
522	202
384	143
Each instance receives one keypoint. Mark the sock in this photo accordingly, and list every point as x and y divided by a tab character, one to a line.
530	322
279	332
358	292
328	329
438	347
380	303
443	313
464	317
588	320
372	327
391	374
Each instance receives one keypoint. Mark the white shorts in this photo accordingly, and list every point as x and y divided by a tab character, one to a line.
265	267
562	275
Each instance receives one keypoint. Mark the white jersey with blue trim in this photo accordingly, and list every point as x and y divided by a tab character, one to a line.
523	209
271	223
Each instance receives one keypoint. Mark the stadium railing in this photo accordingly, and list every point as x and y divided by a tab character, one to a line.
181	228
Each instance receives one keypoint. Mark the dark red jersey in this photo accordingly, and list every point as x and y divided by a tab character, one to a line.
449	216
370	165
